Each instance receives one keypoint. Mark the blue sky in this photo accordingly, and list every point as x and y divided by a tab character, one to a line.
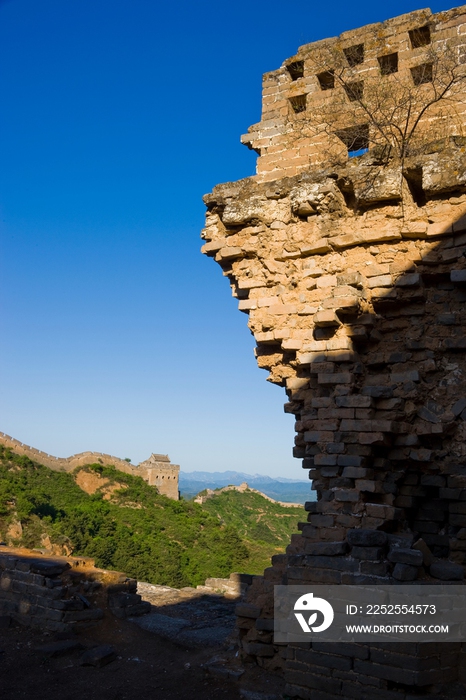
116	117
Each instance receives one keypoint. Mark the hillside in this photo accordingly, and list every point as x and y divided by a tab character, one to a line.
124	524
266	527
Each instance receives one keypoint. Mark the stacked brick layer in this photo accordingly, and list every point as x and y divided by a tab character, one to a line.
60	594
355	283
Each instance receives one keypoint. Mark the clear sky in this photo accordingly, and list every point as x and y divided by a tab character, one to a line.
116	116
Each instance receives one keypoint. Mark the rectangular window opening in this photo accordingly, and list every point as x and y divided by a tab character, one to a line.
356	139
326	80
422	74
296	69
354	54
420	37
388	64
298	103
355	90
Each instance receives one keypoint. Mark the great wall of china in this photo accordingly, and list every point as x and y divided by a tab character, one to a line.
347	252
157	470
209	493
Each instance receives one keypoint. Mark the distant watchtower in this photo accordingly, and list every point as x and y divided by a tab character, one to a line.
160	472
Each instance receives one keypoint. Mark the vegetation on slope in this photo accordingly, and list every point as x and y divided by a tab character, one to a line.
137	531
126	525
266	527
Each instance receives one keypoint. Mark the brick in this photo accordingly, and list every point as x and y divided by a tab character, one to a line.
321	520
367	485
355	472
336	378
378	392
323	425
380	281
405	572
458	276
318	436
334	563
336	447
331	549
374	568
350	461
401	377
367	538
329	471
446	571
406	556
368	426
367	553
346	495
427	556
354	401
300	574
371	438
264	624
375	270
325	460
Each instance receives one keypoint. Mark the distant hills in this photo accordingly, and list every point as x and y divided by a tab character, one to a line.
281	489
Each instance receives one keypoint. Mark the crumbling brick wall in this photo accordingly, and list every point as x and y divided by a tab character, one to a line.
60	594
353	275
299	97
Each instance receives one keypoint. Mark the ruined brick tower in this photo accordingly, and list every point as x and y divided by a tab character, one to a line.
347	251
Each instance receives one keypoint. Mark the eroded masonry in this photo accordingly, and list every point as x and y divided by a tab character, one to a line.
347	251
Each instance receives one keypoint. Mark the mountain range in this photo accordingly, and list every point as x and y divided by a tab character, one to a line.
279	488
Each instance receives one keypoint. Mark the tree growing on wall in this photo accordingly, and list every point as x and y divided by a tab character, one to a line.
399	111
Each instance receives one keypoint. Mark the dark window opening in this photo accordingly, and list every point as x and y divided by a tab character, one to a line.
355	138
296	69
354	91
326	80
422	74
413	177
298	103
354	54
420	37
388	64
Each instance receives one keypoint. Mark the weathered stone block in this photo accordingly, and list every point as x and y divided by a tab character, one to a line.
406	556
447	571
405	572
367	553
367	538
330	549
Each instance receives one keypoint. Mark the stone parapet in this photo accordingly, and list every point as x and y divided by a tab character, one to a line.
308	104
